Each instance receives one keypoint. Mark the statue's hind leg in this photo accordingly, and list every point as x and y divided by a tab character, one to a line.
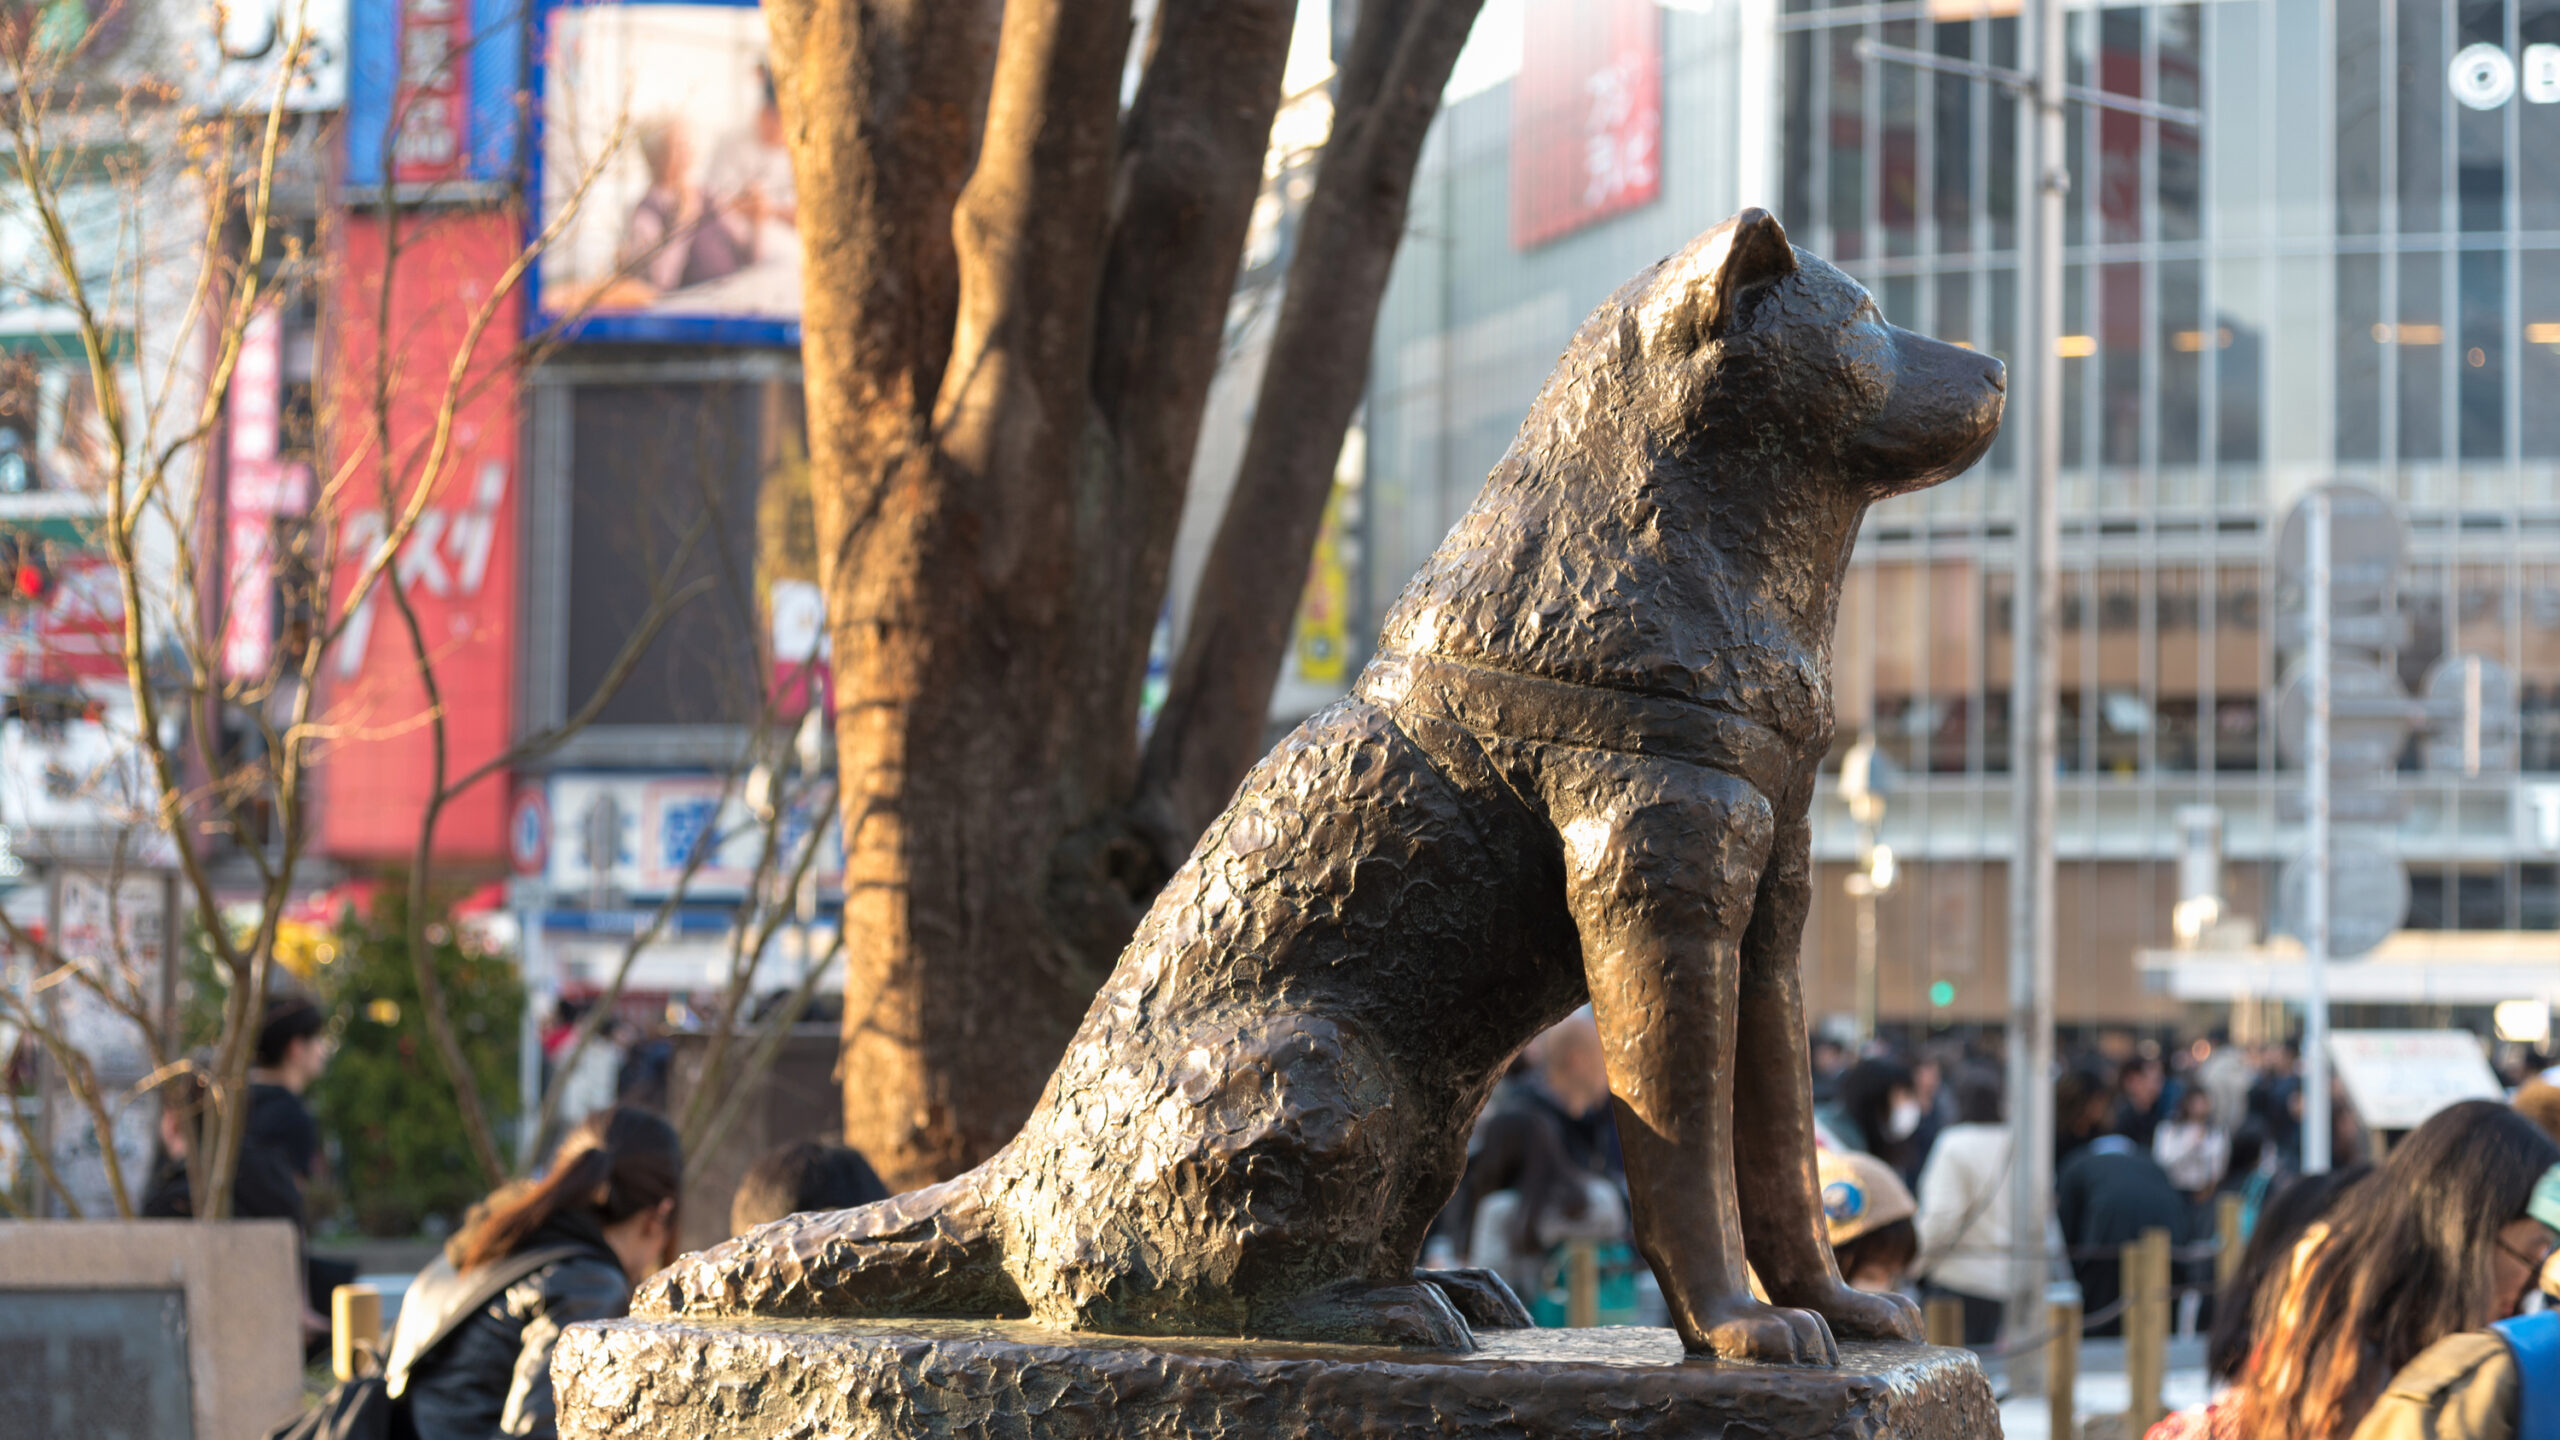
1773	1117
933	1251
1357	1313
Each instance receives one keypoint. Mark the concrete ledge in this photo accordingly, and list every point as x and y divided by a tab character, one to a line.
913	1379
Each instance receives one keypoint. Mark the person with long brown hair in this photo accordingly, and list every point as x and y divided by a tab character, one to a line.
2433	1245
471	1358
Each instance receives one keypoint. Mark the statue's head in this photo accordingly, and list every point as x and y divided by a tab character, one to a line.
1742	341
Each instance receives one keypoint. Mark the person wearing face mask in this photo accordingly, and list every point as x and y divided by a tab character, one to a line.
2107	1195
1877	1109
2501	1382
1868	1213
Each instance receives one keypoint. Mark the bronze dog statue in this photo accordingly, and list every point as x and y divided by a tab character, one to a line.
1578	769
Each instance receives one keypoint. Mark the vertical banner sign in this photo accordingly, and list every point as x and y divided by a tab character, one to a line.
1586	116
457	565
262	487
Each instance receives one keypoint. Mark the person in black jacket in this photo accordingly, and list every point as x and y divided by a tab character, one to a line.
601	1219
2107	1195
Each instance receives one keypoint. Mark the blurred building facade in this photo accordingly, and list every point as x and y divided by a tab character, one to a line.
2351	272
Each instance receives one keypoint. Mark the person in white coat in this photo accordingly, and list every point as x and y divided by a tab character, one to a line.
1963	1222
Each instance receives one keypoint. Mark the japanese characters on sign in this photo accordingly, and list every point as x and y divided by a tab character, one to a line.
653	823
1586	116
263	486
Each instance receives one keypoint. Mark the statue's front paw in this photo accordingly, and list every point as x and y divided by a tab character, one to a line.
1864	1315
1745	1329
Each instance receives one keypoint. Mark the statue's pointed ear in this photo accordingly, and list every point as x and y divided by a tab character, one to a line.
1701	290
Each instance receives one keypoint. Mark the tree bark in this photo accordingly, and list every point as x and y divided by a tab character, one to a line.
1002	423
1211	728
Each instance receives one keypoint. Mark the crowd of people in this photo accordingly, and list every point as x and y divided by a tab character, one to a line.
2363	1302
2361	1307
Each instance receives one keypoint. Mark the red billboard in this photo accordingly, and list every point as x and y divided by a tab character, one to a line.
457	567
1586	115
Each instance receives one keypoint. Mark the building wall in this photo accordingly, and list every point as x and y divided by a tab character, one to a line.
2343	275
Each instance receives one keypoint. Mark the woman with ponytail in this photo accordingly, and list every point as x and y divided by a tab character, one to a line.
471	1358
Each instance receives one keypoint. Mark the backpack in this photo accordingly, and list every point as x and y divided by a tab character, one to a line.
2534	1340
362	1408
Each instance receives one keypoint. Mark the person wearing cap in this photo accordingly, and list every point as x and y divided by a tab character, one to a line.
1868	1211
2499	1383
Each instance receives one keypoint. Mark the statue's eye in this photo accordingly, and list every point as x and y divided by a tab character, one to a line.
1869	314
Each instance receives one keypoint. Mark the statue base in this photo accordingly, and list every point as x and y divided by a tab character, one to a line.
961	1379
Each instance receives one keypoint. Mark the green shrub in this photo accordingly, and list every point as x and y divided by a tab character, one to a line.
397	1148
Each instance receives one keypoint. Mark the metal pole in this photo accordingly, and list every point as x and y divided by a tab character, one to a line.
1862	888
2032	700
534	962
2315	784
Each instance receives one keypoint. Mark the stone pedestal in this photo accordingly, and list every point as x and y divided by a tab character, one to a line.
927	1380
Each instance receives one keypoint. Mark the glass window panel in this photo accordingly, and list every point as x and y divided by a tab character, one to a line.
2185	340
1901	302
2360	116
1999	617
2539	313
2238	663
2120	134
2000	186
2362	334
1845	206
1898	206
2419	341
2181	173
2480	611
2423	100
1798	192
2178	667
2538	667
1954	320
1951	145
1853	653
2076	32
2120	346
2238	350
2079	351
2538	129
2004	343
2480	136
2424	600
2538	897
2481	395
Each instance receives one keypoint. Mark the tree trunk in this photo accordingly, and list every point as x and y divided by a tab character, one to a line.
1005	384
1211	729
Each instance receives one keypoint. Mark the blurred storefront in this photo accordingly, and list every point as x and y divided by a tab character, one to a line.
2352	272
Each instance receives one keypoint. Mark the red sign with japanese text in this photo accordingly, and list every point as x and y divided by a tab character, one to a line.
1586	115
457	566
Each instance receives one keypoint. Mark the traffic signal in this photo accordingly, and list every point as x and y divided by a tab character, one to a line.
25	570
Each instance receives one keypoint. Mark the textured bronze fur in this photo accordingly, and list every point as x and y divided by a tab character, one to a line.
1577	770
